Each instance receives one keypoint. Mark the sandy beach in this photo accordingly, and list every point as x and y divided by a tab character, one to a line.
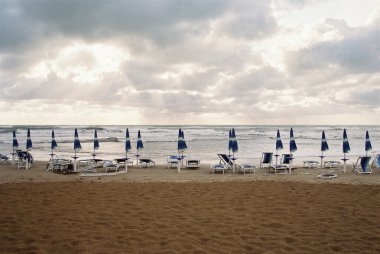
157	210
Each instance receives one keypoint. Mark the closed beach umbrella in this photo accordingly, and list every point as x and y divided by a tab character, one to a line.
368	145
96	143
229	142
29	144
234	148
292	143
346	148
181	147
77	147
140	145
128	147
53	145
15	142
29	147
14	146
324	146
279	145
292	148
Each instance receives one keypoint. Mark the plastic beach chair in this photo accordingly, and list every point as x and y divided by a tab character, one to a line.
362	165
266	159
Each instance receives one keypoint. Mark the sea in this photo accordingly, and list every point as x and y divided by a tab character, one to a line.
204	141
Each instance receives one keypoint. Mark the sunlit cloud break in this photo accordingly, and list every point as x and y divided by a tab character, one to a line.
189	62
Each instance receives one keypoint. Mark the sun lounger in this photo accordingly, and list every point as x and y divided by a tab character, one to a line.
3	158
110	165
362	165
376	161
243	168
227	161
24	157
172	161
193	164
147	163
218	168
311	164
332	164
284	166
266	160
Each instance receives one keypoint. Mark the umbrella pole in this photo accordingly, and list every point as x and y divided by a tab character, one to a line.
75	160
290	163
276	156
233	162
179	163
27	160
322	160
344	161
137	158
126	162
13	156
93	155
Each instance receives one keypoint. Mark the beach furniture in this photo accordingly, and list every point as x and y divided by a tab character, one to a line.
266	160
310	164
246	168
57	165
110	165
331	164
283	167
218	168
279	145
24	159
226	160
193	164
362	165
172	161
376	161
3	158
147	163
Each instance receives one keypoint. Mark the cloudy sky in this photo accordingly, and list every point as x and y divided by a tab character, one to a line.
190	62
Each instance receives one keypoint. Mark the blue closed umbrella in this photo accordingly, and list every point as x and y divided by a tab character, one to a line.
96	143
234	148
292	143
279	145
53	144
181	146
14	146
128	146
29	144
139	145
29	147
346	148
292	148
324	146
229	142
368	145
77	147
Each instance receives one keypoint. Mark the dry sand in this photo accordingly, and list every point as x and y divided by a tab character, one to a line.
160	211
